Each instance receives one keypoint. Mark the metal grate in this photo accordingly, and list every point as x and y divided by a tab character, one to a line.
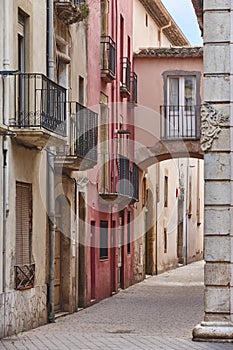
24	276
108	57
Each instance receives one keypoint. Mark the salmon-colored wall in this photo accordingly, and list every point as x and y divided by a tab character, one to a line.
151	92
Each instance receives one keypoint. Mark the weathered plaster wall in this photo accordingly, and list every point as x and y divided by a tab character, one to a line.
23	310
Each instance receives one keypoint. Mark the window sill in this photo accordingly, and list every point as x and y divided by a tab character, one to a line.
24	288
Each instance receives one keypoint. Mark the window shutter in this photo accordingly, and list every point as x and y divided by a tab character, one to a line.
23	224
21	24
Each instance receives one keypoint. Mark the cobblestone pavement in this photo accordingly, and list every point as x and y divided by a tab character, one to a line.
158	313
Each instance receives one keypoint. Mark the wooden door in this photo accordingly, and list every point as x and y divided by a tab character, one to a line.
113	257
57	272
93	249
121	251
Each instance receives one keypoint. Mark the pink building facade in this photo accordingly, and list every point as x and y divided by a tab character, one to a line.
113	184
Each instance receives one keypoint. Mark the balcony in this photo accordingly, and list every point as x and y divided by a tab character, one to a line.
81	151
125	77
133	98
71	11
180	122
38	114
108	59
126	189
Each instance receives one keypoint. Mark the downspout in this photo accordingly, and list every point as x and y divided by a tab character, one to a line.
6	65
161	30
50	162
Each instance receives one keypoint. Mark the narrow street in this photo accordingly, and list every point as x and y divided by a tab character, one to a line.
158	313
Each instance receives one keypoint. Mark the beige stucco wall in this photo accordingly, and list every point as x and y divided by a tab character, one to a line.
145	36
178	170
26	309
78	65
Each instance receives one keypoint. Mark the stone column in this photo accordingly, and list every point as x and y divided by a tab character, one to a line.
217	142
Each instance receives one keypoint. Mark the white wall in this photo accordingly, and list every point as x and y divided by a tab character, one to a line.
145	36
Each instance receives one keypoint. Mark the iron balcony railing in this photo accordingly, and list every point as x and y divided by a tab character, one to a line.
108	58
128	178
180	122
38	103
133	88
83	133
24	276
125	77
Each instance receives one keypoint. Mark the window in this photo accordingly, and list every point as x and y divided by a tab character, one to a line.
104	17
182	91
165	191
146	20
144	192
103	240
81	90
24	269
128	234
181	105
104	185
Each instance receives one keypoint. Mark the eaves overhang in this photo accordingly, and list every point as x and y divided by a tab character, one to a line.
162	18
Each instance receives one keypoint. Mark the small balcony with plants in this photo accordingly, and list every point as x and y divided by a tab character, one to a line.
108	59
71	11
37	110
80	152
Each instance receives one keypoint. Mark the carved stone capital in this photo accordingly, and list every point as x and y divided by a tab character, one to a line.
211	123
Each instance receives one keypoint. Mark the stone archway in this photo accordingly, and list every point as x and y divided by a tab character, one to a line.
168	149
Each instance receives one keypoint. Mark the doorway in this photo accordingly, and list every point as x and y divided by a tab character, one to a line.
62	261
113	257
92	263
82	282
121	250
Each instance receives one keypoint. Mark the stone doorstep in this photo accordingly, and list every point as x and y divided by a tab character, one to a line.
214	332
61	314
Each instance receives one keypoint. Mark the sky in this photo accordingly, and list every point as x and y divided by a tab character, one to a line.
183	13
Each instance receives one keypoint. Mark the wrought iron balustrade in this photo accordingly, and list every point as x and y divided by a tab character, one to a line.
83	133
180	122
108	58
134	178
128	178
125	77
38	103
24	276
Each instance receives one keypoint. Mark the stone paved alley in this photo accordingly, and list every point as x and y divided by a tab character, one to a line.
158	313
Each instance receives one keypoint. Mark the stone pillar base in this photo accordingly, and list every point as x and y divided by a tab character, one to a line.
214	332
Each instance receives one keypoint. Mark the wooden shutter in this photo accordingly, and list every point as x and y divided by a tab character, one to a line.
23	223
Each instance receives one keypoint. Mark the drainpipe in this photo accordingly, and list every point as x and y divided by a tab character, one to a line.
50	162
162	28
6	65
